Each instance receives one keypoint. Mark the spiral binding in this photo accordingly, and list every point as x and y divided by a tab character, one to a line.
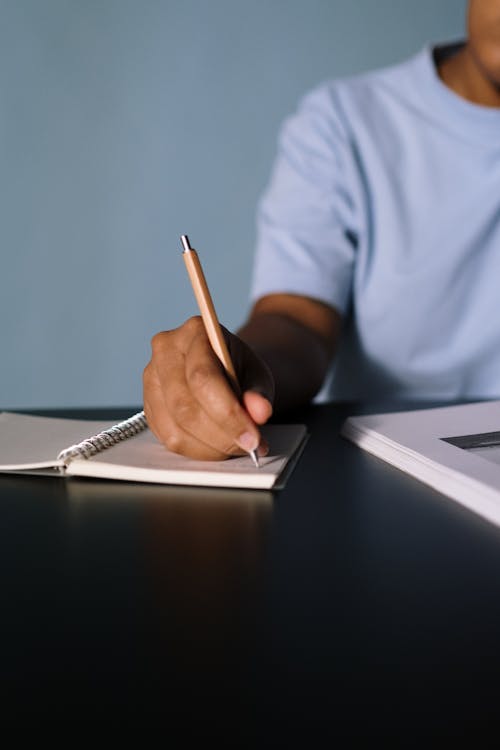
105	439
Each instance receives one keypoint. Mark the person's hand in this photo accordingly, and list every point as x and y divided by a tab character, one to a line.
189	403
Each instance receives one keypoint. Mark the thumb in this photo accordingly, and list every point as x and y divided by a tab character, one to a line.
258	406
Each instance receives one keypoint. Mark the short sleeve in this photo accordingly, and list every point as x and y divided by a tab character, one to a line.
306	225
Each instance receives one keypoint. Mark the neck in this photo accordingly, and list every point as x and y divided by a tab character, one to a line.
462	73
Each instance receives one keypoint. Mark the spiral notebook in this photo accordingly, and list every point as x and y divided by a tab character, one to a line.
129	451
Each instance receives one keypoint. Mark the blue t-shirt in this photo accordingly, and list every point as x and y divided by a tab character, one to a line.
384	202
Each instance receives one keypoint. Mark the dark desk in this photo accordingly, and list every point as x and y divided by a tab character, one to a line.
356	601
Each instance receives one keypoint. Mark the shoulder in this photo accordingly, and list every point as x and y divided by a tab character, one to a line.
336	103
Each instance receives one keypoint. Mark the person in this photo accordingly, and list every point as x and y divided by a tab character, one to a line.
378	241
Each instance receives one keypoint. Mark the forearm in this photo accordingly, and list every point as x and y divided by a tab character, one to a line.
297	356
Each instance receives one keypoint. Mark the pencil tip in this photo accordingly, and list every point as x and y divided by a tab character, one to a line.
255	459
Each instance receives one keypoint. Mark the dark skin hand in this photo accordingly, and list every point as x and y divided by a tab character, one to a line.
281	357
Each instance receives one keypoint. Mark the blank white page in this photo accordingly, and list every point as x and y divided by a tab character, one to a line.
35	442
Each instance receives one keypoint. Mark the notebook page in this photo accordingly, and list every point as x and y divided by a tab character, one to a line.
28	442
142	458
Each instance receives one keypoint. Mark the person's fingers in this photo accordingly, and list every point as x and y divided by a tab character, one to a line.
177	439
189	403
258	407
210	387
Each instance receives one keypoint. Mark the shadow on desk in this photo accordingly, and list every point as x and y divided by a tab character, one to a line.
127	600
205	541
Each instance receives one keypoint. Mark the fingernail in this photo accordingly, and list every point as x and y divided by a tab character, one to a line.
248	442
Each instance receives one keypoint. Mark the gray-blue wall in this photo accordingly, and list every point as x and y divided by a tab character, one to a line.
124	123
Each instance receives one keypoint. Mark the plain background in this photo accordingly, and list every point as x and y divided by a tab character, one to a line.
125	123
